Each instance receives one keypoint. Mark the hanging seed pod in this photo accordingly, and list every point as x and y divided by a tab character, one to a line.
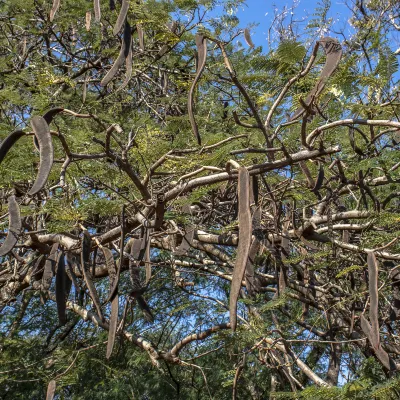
97	10
201	44
61	289
333	51
320	179
85	257
160	211
48	117
49	267
54	9
112	5
247	38
14	227
112	274
121	16
88	20
140	32
45	143
51	390
123	54
129	68
245	233
8	142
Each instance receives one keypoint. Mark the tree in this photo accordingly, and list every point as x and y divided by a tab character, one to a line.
193	217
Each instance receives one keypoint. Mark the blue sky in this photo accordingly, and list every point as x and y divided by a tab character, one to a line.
261	12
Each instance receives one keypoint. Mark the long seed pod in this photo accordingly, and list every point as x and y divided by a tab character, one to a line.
88	20
54	9
114	288
42	133
85	256
333	51
245	230
48	117
373	294
14	227
247	38
8	142
49	267
51	390
320	179
160	210
112	274
201	44
121	16
61	288
137	289
112	5
129	69
140	36
124	52
97	10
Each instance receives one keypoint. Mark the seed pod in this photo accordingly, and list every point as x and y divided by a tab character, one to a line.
373	294
333	51
320	179
48	117
112	274
123	54
247	38
112	5
8	142
49	267
97	11
14	227
54	9
88	20
51	390
42	133
160	210
140	36
85	256
121	16
61	289
245	233
201	44
129	68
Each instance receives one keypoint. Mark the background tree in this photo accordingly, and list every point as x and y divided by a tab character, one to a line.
188	217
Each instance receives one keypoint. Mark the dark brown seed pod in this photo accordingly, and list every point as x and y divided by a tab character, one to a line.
54	9
49	115
8	142
112	5
320	179
51	390
245	233
201	44
123	54
61	289
49	267
97	10
85	256
14	227
247	38
42	133
333	51
129	68
121	16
